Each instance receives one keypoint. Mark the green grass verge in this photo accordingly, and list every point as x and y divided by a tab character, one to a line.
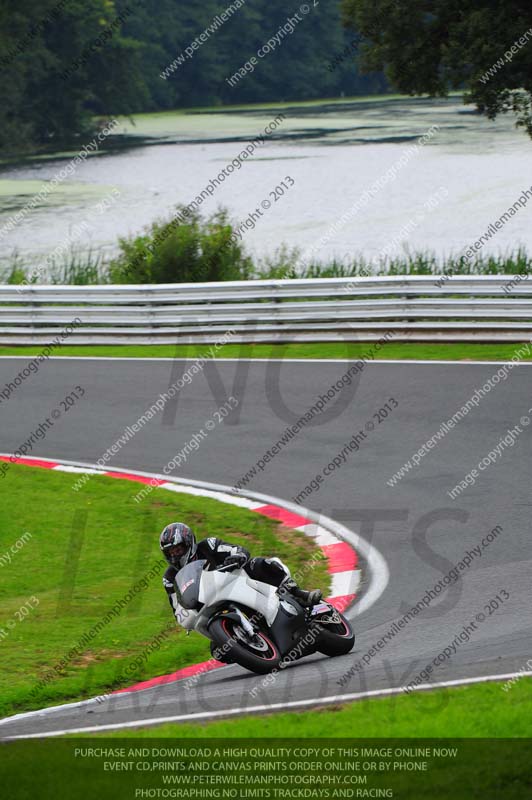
488	728
477	711
455	351
87	550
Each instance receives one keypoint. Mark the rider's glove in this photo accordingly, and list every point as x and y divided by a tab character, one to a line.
239	559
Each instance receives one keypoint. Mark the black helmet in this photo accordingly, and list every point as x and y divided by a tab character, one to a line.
178	544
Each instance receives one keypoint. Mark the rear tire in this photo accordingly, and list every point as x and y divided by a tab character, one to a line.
261	659
337	639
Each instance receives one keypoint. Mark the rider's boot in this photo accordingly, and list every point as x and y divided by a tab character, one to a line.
306	598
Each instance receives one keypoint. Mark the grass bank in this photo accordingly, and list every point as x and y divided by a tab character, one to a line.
462	735
477	711
86	551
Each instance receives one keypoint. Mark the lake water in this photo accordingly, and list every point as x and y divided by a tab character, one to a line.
442	197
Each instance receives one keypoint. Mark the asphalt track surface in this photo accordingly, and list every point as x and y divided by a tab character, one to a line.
416	526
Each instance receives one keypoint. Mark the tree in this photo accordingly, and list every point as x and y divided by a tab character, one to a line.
62	62
65	62
432	46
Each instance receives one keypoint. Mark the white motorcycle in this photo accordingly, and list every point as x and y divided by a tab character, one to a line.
258	626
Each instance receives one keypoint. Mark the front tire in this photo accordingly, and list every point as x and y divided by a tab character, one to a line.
335	639
259	655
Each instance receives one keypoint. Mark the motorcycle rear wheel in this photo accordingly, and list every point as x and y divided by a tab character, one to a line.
260	655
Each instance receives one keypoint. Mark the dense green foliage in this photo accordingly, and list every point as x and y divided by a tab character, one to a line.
431	47
64	61
41	40
196	250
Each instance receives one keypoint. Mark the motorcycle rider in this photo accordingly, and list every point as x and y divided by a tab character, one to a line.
179	546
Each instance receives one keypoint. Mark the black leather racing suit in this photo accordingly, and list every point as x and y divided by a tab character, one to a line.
215	551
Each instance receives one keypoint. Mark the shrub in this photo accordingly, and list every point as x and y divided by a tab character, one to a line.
176	251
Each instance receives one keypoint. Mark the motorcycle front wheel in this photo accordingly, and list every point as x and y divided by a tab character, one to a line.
335	638
258	654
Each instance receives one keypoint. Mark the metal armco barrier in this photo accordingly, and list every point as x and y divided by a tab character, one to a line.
414	308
